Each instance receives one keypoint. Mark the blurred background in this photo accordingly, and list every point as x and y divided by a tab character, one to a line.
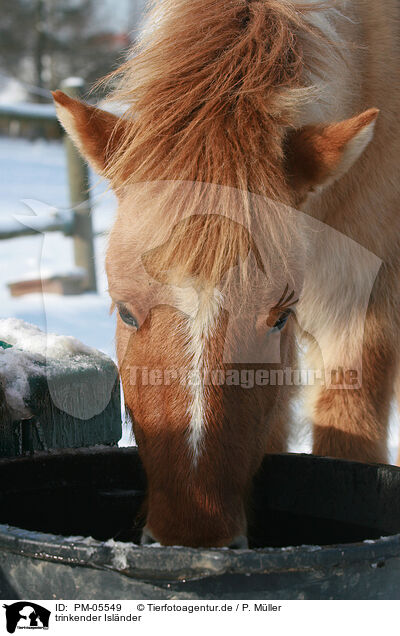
42	44
44	41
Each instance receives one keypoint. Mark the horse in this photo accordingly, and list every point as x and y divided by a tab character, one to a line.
244	121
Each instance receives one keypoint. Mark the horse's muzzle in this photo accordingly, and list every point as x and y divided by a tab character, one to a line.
238	543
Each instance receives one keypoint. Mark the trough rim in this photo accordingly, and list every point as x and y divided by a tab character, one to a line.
178	563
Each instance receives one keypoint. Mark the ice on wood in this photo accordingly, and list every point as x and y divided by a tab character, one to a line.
80	379
32	340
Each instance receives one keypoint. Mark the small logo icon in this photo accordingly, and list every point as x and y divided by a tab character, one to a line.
26	615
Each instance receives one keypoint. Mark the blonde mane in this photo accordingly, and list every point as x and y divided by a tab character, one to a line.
211	89
211	86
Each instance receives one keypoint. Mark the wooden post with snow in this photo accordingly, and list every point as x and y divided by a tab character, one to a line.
55	393
78	176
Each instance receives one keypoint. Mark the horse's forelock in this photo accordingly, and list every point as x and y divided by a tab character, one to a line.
210	88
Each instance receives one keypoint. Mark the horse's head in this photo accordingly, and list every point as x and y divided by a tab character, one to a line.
205	280
201	324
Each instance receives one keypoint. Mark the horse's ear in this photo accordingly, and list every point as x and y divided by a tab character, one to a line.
95	132
319	155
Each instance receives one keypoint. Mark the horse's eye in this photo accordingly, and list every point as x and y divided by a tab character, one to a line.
282	320
126	316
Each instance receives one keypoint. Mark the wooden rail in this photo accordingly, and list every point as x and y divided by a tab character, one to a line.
77	223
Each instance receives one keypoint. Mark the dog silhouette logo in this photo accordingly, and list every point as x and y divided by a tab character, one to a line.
26	615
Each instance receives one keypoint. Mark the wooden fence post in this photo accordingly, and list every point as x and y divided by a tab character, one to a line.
78	176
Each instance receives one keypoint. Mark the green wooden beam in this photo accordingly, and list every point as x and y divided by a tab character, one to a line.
73	403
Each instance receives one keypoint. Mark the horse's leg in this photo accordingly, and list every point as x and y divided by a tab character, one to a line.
279	433
279	419
398	454
397	391
353	423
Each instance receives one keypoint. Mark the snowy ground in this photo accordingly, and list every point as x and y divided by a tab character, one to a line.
36	171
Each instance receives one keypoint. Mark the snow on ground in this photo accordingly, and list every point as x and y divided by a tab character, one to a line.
36	171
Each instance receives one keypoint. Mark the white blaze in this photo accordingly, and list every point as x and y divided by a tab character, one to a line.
203	307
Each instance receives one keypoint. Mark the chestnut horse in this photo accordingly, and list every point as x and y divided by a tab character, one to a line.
238	113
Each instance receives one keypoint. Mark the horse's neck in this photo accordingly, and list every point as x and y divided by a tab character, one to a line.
338	86
368	80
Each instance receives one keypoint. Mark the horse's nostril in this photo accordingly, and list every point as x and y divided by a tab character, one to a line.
147	539
239	543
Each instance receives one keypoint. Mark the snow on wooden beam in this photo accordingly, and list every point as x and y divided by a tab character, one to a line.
54	392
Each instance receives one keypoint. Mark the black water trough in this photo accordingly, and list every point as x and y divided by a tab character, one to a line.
320	529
